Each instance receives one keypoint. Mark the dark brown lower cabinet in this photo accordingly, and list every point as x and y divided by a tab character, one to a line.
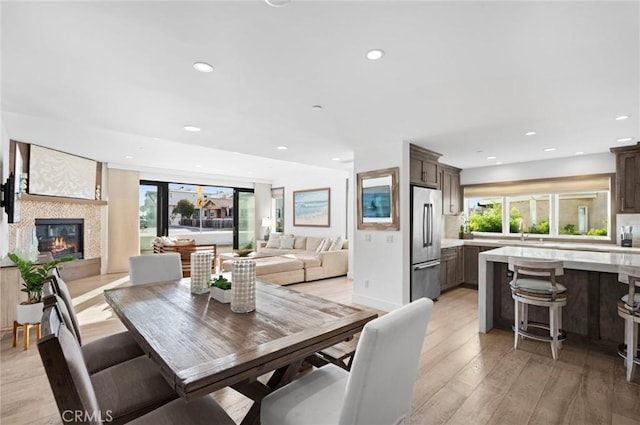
470	259
450	267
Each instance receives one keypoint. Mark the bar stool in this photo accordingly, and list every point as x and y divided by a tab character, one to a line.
629	310
534	283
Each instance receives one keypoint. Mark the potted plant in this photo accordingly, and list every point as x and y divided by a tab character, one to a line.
220	289
33	278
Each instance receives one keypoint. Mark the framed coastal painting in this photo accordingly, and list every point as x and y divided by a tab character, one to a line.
312	207
378	199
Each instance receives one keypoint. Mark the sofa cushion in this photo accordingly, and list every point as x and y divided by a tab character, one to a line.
269	265
309	260
313	242
274	241
300	242
286	242
336	245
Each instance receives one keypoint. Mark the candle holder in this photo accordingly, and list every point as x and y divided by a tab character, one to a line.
243	289
200	271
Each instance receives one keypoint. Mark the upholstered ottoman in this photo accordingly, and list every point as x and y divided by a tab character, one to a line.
279	270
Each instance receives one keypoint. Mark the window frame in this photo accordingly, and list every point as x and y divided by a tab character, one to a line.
554	206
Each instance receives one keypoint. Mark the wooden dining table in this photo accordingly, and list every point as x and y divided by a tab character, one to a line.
201	346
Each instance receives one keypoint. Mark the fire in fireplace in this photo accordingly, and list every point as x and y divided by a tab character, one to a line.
61	236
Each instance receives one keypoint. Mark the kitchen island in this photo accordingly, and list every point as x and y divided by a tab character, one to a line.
592	287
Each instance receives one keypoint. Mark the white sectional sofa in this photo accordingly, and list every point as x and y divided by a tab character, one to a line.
287	259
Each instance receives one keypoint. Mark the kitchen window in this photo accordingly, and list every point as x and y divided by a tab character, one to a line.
572	208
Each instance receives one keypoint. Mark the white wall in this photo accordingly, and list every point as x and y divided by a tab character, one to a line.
380	262
562	167
317	178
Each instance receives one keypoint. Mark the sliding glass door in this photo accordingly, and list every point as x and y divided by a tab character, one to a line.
244	219
152	213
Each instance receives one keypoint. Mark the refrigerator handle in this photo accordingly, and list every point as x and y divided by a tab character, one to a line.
427	266
430	224
425	225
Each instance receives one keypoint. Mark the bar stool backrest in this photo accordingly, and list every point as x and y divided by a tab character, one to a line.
548	269
631	276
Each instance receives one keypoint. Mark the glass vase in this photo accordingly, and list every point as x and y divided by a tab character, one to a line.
243	286
200	271
27	243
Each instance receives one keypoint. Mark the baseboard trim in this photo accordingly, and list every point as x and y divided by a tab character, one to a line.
374	303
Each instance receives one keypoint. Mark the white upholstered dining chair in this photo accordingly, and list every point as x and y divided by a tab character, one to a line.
379	388
155	268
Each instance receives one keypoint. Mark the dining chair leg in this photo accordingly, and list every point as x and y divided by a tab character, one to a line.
632	346
525	316
38	331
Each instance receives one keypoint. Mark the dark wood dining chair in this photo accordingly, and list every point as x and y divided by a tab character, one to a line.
130	392
101	353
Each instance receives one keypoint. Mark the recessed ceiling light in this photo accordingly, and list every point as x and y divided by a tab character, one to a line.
282	148
479	151
192	128
129	157
625	139
198	166
622	117
491	157
499	163
203	67
375	54
580	153
335	159
550	149
277	3
530	133
317	107
156	138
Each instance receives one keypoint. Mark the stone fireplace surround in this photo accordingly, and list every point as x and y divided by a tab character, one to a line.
32	207
91	213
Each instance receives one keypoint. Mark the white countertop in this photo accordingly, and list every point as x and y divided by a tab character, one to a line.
578	260
533	243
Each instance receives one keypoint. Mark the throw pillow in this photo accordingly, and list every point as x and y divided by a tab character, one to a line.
321	246
337	244
274	241
327	244
286	242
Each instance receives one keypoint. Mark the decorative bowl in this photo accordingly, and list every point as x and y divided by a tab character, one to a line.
243	252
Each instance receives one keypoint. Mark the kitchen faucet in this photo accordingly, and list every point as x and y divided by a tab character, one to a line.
523	237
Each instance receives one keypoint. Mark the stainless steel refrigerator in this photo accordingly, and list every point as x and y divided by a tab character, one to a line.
426	231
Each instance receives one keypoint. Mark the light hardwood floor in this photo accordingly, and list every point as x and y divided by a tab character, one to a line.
465	377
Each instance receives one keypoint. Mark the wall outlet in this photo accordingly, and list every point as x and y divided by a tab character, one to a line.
366	283
389	238
367	237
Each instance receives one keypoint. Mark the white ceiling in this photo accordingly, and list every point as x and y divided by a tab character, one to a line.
111	79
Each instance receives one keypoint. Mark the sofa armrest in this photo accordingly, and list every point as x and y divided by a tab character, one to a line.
335	260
